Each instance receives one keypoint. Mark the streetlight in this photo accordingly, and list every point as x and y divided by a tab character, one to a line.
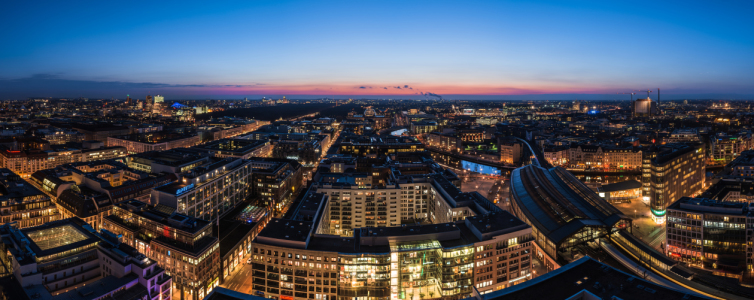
634	214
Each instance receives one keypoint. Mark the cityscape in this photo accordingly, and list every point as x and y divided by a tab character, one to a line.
208	157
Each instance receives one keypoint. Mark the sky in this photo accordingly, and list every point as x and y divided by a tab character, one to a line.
550	50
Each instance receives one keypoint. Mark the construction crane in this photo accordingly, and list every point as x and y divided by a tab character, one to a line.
632	95
647	91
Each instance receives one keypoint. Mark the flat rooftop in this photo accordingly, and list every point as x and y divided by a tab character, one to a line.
58	236
54	237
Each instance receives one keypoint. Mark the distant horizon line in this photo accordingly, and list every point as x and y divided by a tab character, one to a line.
460	97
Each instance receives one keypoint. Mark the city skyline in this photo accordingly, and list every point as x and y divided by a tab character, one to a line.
481	50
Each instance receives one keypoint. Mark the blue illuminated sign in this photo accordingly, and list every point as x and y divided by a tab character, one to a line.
184	189
475	167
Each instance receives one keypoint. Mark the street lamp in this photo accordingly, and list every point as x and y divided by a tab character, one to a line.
634	214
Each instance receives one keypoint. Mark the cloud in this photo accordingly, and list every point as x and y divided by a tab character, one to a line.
53	85
362	87
405	86
385	88
397	87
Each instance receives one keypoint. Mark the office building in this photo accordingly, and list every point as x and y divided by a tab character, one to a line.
295	257
183	245
209	190
670	172
708	234
173	161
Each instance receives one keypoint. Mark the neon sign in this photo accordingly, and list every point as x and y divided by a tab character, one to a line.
184	189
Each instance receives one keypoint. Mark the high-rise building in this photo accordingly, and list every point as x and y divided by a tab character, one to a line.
670	172
159	99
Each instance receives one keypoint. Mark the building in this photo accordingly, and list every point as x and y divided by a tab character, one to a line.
174	161
68	259
184	246
595	156
562	211
557	155
294	257
709	234
138	143
59	136
686	135
670	172
100	132
620	192
725	148
511	150
208	191
240	148
423	126
26	162
446	142
274	181
644	107
378	145
588	278
23	203
88	190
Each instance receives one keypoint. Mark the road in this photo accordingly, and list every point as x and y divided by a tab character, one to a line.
241	279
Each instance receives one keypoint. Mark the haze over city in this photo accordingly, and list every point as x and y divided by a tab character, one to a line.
384	49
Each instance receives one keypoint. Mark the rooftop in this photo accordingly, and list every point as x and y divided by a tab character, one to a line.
558	203
587	278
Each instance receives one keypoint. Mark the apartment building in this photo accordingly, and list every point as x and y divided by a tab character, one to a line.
183	245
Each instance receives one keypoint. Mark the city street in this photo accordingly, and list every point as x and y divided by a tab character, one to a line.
241	279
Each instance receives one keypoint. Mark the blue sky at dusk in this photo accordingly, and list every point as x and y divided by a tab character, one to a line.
397	49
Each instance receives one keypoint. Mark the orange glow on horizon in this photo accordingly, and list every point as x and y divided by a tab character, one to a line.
328	89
